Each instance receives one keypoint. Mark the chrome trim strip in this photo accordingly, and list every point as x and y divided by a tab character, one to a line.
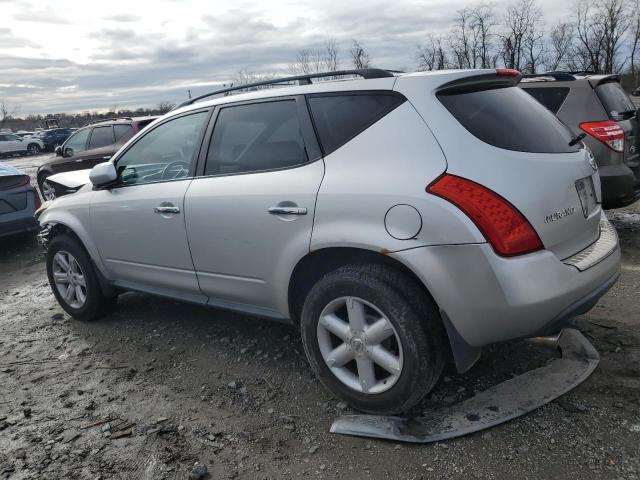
597	251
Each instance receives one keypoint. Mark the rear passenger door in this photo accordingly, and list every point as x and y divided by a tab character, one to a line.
249	213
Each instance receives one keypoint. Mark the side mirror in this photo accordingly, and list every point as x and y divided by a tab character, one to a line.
103	174
58	151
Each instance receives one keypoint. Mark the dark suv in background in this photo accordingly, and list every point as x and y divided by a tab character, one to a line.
88	146
53	137
597	106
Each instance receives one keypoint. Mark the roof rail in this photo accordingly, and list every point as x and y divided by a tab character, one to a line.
366	73
107	120
559	76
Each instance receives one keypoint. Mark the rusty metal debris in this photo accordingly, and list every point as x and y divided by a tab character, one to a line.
498	404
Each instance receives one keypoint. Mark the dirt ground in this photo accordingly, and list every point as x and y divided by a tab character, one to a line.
158	385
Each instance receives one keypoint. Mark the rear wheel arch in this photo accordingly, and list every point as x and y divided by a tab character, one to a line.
316	264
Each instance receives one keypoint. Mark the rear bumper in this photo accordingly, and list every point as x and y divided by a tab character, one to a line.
620	186
489	299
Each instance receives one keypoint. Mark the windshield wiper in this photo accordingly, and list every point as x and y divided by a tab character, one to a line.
577	138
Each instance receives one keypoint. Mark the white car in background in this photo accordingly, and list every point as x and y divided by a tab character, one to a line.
12	144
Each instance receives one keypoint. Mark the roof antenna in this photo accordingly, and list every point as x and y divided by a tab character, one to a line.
189	91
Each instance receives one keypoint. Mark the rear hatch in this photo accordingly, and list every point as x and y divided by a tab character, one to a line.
622	110
498	136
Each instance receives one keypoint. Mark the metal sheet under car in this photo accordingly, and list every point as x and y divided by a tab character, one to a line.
498	404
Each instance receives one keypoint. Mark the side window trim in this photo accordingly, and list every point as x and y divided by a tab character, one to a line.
308	134
194	159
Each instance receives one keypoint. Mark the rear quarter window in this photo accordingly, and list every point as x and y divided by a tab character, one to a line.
340	117
550	97
509	118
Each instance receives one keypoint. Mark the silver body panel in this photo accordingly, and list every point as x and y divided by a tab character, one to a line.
226	248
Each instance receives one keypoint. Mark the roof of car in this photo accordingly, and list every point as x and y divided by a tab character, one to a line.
126	120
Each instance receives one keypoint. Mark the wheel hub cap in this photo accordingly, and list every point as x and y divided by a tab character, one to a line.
69	279
360	345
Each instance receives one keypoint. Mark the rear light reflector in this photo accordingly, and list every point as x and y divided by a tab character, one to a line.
504	227
37	198
14	181
507	72
608	132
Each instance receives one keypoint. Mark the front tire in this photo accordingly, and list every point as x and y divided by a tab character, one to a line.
373	338
73	279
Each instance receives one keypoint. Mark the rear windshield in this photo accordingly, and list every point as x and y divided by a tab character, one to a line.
509	118
615	100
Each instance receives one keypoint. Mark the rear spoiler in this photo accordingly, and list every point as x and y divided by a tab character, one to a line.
595	80
500	79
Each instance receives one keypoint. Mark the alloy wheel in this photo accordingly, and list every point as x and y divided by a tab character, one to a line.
48	191
69	279
360	345
33	149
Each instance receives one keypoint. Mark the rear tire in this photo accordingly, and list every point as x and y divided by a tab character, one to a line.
413	344
74	281
33	149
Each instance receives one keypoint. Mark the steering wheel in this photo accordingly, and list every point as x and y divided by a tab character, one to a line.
175	169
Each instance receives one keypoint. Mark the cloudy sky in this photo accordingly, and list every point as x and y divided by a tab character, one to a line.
72	55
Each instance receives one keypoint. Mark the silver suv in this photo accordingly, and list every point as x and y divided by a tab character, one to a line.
399	220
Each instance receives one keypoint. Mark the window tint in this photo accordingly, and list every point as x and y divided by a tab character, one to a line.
509	118
615	100
101	137
76	142
261	136
121	131
164	153
551	97
339	118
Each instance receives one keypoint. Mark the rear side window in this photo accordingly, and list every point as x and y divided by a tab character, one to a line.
509	118
260	136
340	117
121	131
615	100
101	137
550	97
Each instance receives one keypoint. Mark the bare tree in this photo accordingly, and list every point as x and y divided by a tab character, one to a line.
359	58
521	40
635	38
471	40
600	30
331	61
431	54
560	44
164	107
6	112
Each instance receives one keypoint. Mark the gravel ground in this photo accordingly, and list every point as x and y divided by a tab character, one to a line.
158	385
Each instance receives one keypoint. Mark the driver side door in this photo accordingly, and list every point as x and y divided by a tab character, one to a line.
138	223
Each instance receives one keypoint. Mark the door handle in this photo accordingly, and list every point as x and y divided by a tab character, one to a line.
287	210
166	209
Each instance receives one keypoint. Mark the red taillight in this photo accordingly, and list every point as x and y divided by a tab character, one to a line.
608	132
506	229
507	72
14	181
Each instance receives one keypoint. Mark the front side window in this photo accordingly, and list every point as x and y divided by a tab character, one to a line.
256	137
101	137
76	142
165	153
